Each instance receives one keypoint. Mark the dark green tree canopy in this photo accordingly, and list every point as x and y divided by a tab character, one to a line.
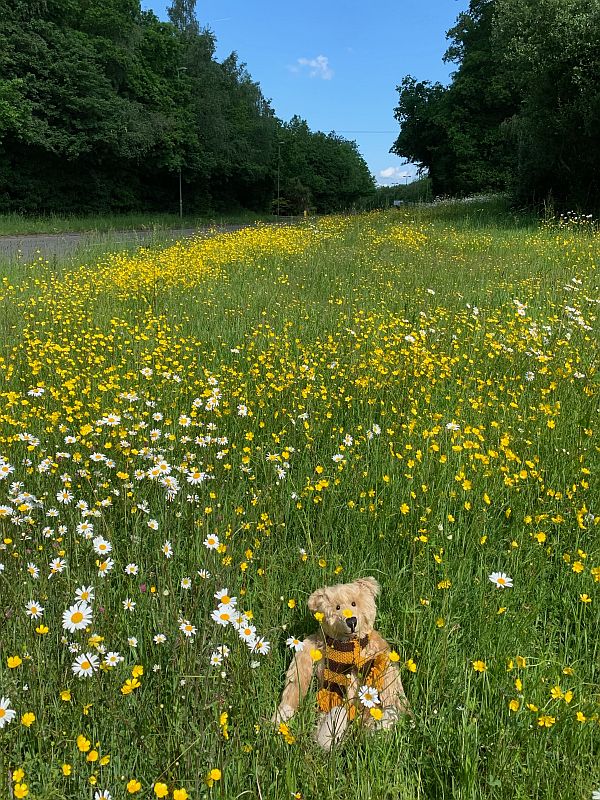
102	106
522	111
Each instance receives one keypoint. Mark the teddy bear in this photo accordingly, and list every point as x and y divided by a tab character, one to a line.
352	663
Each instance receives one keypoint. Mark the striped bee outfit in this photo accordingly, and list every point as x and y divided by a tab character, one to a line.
343	660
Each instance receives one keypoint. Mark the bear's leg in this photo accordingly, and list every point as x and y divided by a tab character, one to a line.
331	727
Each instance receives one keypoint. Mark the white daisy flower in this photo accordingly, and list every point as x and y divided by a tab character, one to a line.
294	644
247	633
131	569
85	665
64	497
101	546
211	542
159	638
85	593
104	567
261	646
33	609
77	617
187	628
113	659
501	580
368	696
223	615
7	714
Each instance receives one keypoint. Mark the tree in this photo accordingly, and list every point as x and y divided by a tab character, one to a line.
551	50
182	13
455	132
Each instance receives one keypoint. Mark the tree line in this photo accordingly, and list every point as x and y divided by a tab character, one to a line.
104	107
522	111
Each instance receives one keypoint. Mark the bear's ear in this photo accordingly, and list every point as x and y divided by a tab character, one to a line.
369	585
316	600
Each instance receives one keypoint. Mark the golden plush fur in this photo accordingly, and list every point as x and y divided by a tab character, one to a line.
353	654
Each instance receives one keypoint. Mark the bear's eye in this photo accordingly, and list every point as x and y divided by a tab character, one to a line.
353	603
337	608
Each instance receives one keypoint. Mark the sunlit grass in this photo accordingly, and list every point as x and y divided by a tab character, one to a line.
405	395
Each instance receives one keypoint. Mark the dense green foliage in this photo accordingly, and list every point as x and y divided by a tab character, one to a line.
523	109
102	105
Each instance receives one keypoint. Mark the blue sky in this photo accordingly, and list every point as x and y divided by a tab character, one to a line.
336	63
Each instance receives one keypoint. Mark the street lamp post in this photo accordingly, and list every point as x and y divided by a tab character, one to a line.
180	69
180	196
278	175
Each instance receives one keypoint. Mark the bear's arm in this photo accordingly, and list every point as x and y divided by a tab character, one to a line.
298	677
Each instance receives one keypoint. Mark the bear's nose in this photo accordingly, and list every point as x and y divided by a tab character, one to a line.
351	623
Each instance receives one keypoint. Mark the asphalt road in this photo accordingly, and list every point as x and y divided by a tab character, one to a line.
55	245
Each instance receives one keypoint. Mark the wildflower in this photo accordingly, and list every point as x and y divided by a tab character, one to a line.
285	731
213	776
546	721
7	714
20	790
129	686
180	794
83	744
294	644
85	665
479	666
211	542
262	647
411	666
28	719
514	705
104	567
85	594
316	655
376	713
167	549
77	617
187	628
133	786
368	696
14	661
161	789
501	580
33	609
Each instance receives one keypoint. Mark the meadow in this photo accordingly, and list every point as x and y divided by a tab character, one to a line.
194	437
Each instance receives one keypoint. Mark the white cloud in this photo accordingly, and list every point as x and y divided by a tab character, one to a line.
317	67
395	173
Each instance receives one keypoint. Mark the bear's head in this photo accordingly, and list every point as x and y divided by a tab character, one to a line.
348	609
